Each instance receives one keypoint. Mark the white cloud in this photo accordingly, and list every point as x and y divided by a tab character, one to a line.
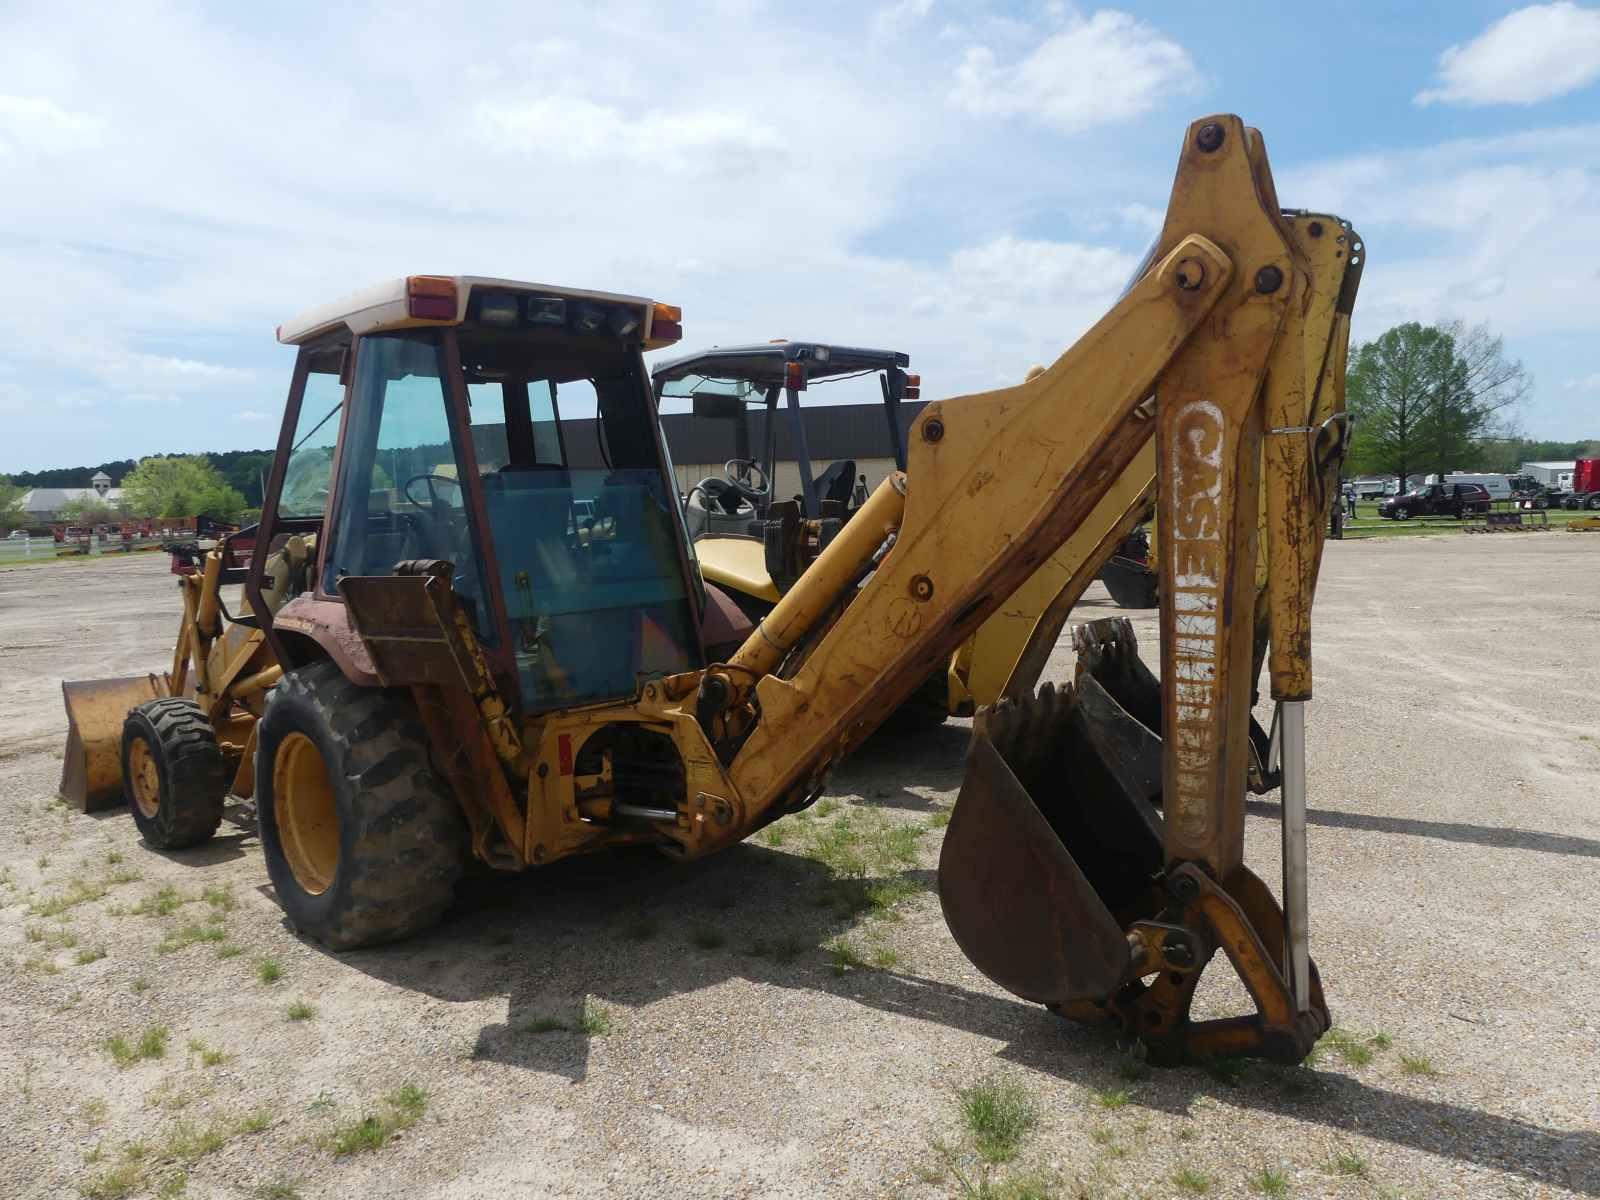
581	130
1533	54
1107	68
900	16
37	123
1589	383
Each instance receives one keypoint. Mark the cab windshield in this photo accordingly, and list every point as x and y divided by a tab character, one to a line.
582	529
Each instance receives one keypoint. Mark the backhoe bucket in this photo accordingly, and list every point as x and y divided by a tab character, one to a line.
1054	844
91	769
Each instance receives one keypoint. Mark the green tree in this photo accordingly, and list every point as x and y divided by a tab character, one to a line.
1427	398
11	514
89	510
181	486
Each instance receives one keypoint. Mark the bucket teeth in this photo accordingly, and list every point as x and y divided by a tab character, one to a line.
1108	650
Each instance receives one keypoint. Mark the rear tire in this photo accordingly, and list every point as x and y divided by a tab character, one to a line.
1402	514
173	773
1593	501
363	842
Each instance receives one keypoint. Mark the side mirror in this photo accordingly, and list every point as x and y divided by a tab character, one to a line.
718	406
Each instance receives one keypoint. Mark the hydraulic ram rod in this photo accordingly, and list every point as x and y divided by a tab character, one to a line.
1292	727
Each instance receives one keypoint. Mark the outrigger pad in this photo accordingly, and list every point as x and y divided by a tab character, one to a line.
1049	855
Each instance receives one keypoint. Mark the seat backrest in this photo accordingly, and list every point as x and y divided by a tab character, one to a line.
837	482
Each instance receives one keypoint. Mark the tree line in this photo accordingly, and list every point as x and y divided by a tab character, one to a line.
227	486
1431	399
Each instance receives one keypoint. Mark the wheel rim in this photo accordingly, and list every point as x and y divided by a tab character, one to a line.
306	813
144	777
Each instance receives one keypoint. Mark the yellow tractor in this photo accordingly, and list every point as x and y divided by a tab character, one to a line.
496	643
756	525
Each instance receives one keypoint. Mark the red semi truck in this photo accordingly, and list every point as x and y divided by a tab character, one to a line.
1585	491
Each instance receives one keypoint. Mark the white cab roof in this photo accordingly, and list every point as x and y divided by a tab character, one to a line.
384	306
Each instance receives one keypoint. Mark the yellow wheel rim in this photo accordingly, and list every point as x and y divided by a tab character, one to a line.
306	813
145	778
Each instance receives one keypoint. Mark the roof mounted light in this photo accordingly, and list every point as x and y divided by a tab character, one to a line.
794	376
497	308
431	297
547	310
666	323
589	318
912	389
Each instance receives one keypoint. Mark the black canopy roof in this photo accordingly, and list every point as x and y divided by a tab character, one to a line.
764	362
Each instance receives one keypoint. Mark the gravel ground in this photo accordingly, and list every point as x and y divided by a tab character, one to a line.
732	1050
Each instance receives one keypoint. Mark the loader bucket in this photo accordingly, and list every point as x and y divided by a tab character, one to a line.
91	768
1054	845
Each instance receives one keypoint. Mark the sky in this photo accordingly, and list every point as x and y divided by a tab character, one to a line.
971	182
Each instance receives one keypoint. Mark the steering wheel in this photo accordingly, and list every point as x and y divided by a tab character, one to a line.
433	496
739	472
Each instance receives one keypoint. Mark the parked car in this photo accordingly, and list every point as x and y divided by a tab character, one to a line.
1436	500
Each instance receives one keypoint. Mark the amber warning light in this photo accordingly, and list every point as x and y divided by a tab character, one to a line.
666	323
431	298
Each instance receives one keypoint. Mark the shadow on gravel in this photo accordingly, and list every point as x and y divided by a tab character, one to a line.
1448	831
1560	1158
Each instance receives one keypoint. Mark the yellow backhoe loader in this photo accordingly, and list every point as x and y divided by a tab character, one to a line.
515	658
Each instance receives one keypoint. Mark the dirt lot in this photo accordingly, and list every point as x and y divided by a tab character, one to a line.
749	1027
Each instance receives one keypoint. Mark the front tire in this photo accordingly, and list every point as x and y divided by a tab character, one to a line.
1402	514
173	773
363	842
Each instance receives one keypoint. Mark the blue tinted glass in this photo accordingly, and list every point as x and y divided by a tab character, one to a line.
594	590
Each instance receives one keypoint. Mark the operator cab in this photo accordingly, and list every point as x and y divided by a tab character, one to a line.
508	430
743	504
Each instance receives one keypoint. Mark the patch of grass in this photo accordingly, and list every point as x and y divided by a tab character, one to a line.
139	986
1417	1064
123	875
210	1056
173	1186
1131	1065
543	1025
115	1183
220	898
1113	1098
229	950
369	1133
78	891
191	935
190	1143
885	958
94	1111
1270	1181
42	966
402	1108
775	835
595	1020
1349	1162
113	857
152	1043
85	957
843	955
1356	1049
269	970
939	819
254	1121
1195	1182
998	1114
278	1189
707	937
826	807
300	1010
162	902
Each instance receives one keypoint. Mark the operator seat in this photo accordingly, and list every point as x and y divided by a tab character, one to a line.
837	482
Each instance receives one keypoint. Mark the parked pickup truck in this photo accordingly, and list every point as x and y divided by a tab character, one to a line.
1436	500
